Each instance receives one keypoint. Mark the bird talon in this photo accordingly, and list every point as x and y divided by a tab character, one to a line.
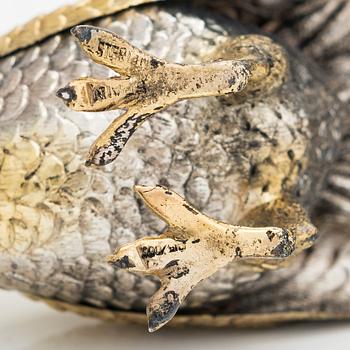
193	248
146	84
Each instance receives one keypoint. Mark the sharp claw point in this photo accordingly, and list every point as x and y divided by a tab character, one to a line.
101	155
153	325
151	330
143	189
164	312
82	33
67	94
123	263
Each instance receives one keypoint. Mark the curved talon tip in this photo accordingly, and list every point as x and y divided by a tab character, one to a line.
123	263
82	32
98	157
91	157
152	324
138	71
152	328
143	189
67	94
161	311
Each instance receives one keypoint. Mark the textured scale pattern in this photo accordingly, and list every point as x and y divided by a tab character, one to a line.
80	215
68	205
320	29
316	282
65	17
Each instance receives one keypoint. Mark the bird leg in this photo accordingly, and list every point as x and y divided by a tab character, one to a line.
146	84
193	248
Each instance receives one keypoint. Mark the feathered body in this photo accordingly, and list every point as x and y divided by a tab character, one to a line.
59	220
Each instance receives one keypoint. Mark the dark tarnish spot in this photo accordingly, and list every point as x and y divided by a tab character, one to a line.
262	133
270	235
231	81
165	312
238	252
193	211
240	86
312	238
123	263
265	188
129	96
184	241
270	61
196	241
254	144
253	171
82	33
176	271
117	141
285	247
172	263
278	115
27	177
168	193
67	94
155	63
183	271
88	162
291	154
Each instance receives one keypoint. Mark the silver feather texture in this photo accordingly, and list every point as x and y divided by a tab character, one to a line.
59	220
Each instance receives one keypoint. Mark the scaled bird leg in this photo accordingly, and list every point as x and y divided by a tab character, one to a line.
192	249
146	84
282	212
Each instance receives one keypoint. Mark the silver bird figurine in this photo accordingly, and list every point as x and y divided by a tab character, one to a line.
236	141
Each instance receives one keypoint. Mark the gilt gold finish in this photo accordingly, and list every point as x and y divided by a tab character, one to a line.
193	248
65	17
255	158
146	84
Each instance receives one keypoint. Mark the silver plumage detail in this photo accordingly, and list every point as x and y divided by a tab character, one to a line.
59	220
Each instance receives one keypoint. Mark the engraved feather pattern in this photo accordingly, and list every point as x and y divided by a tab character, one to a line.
71	204
59	220
322	30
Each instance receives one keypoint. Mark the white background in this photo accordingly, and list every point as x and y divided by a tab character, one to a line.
32	325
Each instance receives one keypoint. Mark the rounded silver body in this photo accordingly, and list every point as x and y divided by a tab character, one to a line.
59	220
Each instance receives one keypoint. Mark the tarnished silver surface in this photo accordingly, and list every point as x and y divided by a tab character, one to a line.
320	29
59	220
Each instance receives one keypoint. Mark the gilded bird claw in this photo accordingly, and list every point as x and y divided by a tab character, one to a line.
194	246
146	84
192	249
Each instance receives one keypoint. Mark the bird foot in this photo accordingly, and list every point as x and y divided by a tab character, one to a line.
193	248
145	85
